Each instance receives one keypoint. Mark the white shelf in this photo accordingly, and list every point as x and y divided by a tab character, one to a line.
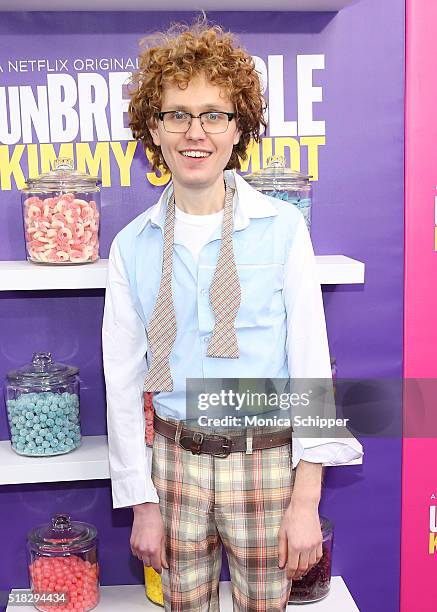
27	276
133	598
174	5
88	462
340	270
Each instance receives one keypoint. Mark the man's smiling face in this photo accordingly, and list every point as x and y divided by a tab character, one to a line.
196	159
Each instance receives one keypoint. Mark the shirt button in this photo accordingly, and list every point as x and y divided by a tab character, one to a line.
203	291
206	339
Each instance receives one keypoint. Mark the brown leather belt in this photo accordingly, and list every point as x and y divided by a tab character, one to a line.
214	444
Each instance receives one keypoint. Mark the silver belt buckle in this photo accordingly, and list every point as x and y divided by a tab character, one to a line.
226	448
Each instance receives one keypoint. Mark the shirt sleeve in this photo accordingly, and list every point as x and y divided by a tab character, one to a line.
124	345
307	347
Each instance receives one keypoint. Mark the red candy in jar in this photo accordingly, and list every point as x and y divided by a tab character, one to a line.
63	568
149	415
61	215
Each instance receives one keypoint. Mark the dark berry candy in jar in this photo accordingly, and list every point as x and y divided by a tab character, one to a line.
315	584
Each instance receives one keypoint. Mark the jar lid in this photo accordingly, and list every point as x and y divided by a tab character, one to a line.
62	535
62	176
42	371
275	176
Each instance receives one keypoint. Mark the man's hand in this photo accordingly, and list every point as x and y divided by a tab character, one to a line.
147	539
300	539
300	536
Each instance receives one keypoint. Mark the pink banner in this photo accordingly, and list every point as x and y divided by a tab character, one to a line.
419	537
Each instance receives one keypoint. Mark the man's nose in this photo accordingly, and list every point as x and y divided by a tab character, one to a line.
195	130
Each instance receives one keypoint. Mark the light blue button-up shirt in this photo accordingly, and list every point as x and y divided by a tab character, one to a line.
280	324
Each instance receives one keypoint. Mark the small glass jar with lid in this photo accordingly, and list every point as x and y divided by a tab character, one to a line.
63	565
61	214
277	181
316	583
42	401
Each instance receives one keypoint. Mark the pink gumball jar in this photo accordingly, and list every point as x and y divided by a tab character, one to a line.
61	216
63	565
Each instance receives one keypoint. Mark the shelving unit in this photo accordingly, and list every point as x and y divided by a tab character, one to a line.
133	599
27	276
90	461
175	5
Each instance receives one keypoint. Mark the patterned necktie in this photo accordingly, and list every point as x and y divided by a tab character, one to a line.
224	294
225	291
161	331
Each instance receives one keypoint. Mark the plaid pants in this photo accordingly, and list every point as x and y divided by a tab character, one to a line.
237	501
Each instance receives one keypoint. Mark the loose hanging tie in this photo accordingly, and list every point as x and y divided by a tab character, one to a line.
224	295
161	331
225	291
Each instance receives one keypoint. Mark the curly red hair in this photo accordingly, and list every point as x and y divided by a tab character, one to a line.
184	52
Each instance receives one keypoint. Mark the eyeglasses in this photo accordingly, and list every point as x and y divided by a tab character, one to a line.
212	122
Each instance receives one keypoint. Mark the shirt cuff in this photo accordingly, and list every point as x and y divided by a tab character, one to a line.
128	491
348	452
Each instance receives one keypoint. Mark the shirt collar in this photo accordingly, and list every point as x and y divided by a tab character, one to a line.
248	204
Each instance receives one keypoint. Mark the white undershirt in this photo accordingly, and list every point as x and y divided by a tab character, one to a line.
194	231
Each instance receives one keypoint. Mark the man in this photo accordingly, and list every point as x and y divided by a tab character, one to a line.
214	281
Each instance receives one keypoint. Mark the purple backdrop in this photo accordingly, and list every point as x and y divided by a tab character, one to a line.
358	212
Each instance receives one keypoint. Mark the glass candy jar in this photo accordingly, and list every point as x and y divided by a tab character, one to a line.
280	182
61	213
63	566
316	583
42	401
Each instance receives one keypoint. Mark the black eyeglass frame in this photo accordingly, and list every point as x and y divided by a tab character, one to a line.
162	114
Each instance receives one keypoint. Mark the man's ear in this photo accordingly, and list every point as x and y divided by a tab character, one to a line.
152	124
153	129
237	137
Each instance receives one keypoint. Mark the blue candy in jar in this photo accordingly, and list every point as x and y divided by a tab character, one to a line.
282	183
42	401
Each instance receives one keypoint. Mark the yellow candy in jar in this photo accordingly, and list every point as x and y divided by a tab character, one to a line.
153	586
